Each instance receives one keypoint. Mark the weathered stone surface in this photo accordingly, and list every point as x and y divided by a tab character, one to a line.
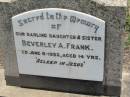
1	58
113	12
7	43
1	43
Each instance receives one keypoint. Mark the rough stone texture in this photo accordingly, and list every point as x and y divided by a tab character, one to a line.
2	42
113	13
102	2
1	58
7	43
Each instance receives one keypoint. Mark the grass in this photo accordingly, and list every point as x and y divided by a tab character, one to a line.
128	17
127	42
128	23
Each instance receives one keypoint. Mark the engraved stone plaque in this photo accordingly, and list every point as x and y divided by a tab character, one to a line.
60	43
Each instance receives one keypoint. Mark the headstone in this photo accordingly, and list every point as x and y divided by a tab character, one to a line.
60	43
65	45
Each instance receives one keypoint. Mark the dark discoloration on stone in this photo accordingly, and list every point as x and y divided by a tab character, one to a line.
112	90
14	81
61	84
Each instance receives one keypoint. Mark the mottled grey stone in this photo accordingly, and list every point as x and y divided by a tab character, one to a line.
7	42
112	11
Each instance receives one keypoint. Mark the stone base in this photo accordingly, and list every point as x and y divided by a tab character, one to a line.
13	81
63	85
